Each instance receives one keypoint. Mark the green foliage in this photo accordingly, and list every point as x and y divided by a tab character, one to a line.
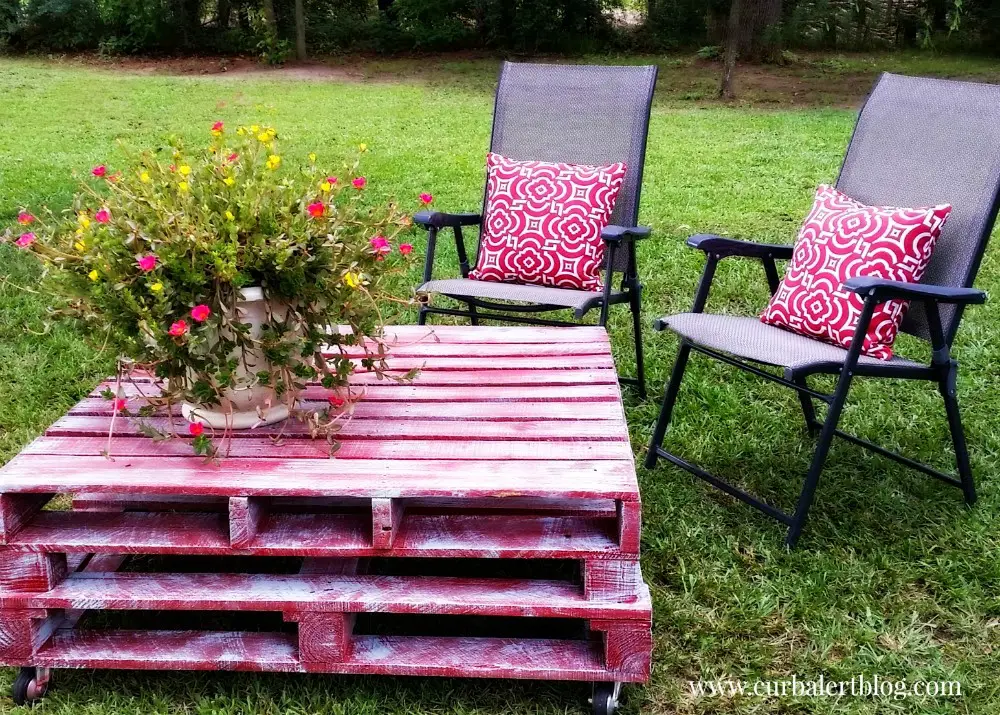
155	256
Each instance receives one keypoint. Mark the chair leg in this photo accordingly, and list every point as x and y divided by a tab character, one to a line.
808	409
473	315
958	436
819	458
636	305
422	316
669	398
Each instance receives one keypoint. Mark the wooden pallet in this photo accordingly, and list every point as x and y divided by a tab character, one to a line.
511	444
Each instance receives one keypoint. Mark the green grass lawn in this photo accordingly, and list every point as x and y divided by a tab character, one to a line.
894	576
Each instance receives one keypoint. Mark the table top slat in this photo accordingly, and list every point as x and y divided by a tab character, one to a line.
494	412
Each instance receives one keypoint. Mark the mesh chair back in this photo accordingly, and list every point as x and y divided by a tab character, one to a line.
920	142
578	114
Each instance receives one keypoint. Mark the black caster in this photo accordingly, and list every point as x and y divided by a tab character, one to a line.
30	684
605	698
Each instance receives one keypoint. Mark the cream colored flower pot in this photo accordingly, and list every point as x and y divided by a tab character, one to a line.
248	404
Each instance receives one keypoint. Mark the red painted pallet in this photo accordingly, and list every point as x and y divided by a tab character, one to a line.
481	521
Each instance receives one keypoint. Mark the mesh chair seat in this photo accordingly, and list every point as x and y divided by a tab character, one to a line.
491	290
753	340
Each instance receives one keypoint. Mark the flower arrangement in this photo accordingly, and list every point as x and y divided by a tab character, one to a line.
159	255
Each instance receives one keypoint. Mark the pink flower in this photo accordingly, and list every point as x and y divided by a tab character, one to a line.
196	429
426	198
25	240
316	209
359	183
119	404
200	313
102	216
406	248
178	329
217	127
99	171
232	157
173	167
335	401
147	262
380	244
24	218
331	180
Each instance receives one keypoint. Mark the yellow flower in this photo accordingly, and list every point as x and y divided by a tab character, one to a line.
83	220
254	129
144	177
184	169
264	137
94	275
353	280
273	162
326	186
241	131
229	215
183	186
79	232
229	181
312	156
80	246
363	147
156	287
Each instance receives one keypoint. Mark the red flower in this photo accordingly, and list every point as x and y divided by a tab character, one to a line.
25	240
335	401
24	218
217	127
426	198
147	262
406	248
359	183
200	313
99	171
119	404
331	180
102	216
316	209
178	329
173	167
232	157
196	429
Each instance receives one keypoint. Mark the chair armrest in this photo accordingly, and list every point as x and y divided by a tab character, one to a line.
882	289
436	219
617	233
723	247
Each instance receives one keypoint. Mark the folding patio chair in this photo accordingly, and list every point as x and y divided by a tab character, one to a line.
575	114
917	142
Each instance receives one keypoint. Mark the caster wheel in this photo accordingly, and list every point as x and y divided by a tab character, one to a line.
605	698
30	684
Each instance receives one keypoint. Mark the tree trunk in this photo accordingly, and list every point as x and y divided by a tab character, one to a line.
223	12
732	48
269	18
300	30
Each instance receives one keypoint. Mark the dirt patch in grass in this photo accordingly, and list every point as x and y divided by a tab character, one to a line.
810	80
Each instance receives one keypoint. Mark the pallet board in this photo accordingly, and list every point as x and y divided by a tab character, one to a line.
511	443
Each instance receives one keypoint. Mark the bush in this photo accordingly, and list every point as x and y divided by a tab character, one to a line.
59	25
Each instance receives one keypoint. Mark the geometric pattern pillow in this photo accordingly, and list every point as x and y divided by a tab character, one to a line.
543	222
841	239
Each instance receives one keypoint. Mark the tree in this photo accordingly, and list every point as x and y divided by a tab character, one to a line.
752	33
300	31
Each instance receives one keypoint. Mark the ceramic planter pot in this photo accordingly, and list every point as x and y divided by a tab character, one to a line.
249	404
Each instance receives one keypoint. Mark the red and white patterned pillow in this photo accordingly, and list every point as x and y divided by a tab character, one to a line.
543	222
841	239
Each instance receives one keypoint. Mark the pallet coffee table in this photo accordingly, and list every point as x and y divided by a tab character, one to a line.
481	521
